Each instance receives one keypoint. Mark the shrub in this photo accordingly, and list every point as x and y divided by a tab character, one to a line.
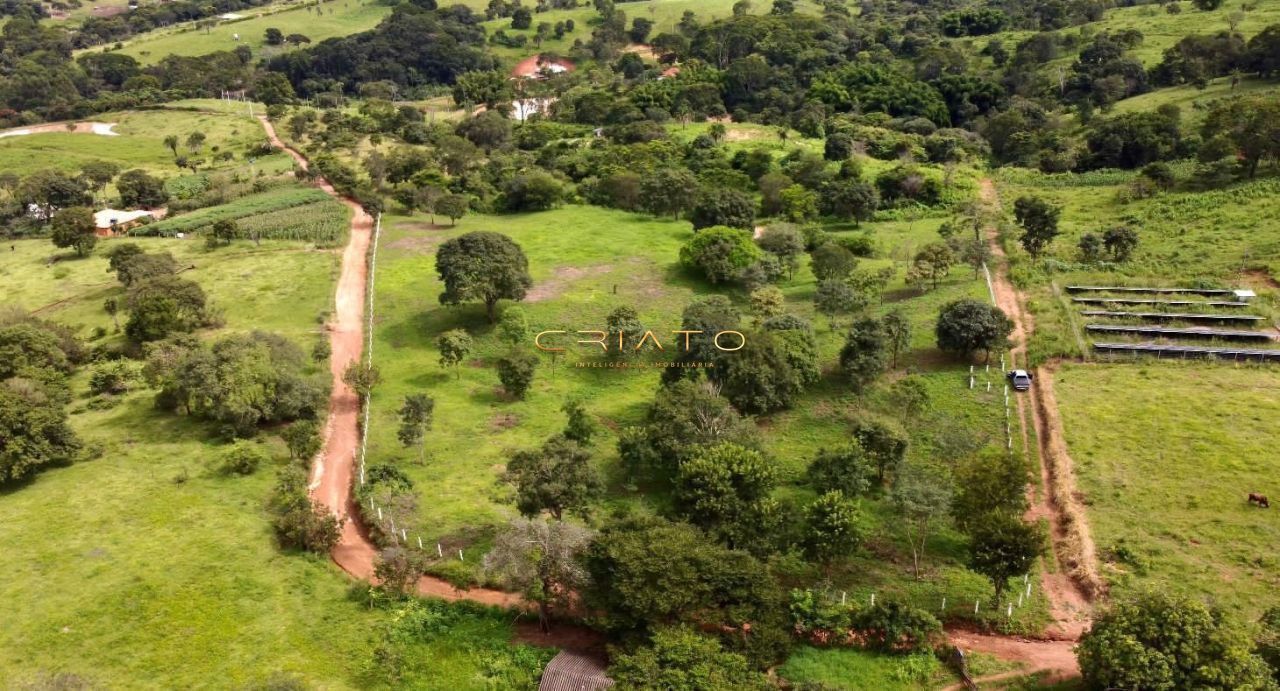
242	458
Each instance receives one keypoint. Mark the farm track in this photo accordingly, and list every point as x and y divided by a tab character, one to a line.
334	470
1070	586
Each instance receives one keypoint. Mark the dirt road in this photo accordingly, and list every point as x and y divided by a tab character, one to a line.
1069	602
334	469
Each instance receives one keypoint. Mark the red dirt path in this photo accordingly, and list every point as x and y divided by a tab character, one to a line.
334	469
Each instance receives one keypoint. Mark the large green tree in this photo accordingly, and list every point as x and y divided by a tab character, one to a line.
541	559
680	658
720	253
556	478
965	326
1160	640
725	489
482	266
1003	546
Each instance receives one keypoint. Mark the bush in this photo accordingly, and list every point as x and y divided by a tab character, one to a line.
243	458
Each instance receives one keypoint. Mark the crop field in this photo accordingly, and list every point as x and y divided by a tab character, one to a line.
289	213
140	144
1165	454
593	261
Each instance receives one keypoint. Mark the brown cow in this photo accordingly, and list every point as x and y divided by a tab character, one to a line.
1260	500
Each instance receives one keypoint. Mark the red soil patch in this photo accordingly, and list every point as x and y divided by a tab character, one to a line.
533	66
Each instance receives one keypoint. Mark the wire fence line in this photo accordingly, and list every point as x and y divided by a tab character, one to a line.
387	522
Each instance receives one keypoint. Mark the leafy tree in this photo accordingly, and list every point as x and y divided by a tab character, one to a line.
720	206
1120	241
451	206
862	358
415	419
669	191
647	573
933	262
838	147
542	560
46	191
362	377
513	326
1039	221
487	87
624	327
112	307
137	189
579	427
239	381
836	297
1264	51
300	523
784	241
992	482
720	253
171	142
680	658
515	371
242	458
223	232
556	478
847	469
965	326
685	415
74	227
482	266
273	88
832	260
303	440
33	425
398	569
850	199
884	441
1090	248
725	489
769	371
273	36
897	332
1003	547
1207	5
534	190
922	497
1160	640
163	305
767	302
454	346
832	528
1268	641
521	19
799	204
98	174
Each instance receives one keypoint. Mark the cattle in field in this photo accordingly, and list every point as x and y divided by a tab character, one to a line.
1260	500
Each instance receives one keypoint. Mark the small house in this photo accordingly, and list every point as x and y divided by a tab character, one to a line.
112	221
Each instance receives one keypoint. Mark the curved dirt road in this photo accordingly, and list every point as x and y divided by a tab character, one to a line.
334	469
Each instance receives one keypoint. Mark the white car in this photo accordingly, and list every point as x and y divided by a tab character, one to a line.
1021	379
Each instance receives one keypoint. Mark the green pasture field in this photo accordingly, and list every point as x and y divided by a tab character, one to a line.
1165	454
279	286
122	574
338	18
140	144
854	670
578	256
1160	30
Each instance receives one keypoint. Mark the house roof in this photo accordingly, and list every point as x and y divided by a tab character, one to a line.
112	217
572	671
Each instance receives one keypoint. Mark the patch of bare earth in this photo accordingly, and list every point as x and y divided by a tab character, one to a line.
503	421
560	281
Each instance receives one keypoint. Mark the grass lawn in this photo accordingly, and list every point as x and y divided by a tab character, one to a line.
124	575
279	286
140	144
336	18
1165	454
855	670
578	257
